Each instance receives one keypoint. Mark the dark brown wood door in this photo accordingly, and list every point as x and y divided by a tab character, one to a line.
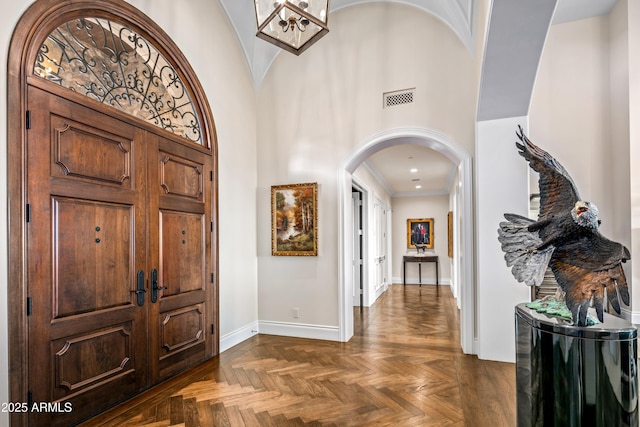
112	207
180	226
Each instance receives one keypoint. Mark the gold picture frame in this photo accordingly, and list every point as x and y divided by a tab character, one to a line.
294	219
420	232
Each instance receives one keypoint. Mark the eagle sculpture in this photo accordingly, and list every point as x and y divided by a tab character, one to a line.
566	238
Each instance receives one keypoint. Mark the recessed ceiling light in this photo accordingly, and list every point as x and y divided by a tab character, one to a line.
414	170
418	186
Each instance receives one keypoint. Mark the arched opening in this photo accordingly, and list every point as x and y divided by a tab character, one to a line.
463	245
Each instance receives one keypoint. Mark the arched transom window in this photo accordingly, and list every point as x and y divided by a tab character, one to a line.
114	64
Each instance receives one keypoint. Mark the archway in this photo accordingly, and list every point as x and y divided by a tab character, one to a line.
463	247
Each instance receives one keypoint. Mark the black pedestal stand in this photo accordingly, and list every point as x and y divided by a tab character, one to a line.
575	376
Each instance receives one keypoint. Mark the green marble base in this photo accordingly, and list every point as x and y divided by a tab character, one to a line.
554	307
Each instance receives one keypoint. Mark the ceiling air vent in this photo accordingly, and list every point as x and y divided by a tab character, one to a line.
398	97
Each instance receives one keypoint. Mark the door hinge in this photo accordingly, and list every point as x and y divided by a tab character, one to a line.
27	212
213	329
29	306
212	226
28	119
210	175
211	277
29	398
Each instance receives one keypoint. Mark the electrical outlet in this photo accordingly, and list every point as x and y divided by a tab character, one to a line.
295	313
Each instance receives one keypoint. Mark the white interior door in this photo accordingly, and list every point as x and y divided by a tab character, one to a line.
380	235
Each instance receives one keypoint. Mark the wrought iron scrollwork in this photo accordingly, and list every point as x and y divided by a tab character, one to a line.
115	65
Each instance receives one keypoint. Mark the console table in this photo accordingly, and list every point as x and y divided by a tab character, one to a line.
419	259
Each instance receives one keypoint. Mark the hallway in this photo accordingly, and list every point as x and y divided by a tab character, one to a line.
403	367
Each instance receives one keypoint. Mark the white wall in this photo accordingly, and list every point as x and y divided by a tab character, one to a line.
582	108
502	186
619	77
435	207
632	9
625	89
308	126
570	107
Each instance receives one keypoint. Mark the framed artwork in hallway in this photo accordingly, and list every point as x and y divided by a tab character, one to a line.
420	233
294	219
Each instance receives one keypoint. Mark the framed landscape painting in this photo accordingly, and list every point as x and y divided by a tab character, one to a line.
294	219
420	232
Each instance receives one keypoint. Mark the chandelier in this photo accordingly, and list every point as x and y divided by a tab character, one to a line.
292	25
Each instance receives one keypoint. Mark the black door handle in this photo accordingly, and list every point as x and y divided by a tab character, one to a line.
140	291
154	285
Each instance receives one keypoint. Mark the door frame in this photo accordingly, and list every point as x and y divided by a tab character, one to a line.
464	247
363	240
36	23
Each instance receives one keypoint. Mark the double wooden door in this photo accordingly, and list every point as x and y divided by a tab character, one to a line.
119	258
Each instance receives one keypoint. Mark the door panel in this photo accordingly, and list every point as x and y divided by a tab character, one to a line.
183	246
74	152
180	176
181	328
101	253
180	184
110	349
86	333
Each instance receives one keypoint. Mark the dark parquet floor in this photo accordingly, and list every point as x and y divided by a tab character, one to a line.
403	367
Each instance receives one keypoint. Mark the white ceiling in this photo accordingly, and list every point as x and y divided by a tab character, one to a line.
392	165
572	10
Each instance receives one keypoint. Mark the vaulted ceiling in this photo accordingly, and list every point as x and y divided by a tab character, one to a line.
457	14
509	66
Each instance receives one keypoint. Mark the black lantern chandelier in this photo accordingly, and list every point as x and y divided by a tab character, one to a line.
292	25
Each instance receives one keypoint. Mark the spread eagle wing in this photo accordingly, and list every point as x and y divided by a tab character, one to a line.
588	267
527	265
558	192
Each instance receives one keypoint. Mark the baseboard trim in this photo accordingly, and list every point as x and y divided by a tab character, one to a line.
381	290
239	335
425	281
300	330
631	316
